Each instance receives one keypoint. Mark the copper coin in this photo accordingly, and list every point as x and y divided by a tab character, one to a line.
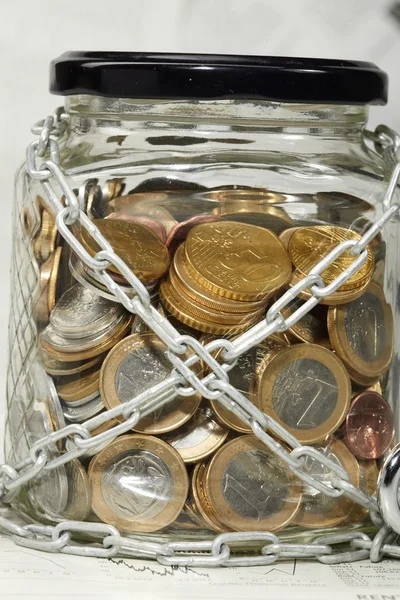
179	233
369	426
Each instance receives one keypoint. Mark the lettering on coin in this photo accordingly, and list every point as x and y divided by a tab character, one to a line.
255	485
138	485
305	394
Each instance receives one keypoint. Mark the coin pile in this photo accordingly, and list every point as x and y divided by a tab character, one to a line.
222	277
83	326
192	463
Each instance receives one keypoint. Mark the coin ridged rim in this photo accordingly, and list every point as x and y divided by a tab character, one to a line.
152	240
75	356
135	341
226	513
302	264
77	388
335	299
204	326
65	369
171	459
344	506
226	291
41	306
85	411
335	366
201	502
181	279
194	454
338	337
79	499
205	313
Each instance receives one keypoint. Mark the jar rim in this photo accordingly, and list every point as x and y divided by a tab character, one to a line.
141	75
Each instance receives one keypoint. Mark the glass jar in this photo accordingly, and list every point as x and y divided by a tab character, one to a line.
220	182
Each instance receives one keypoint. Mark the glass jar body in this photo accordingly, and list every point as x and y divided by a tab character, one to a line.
164	170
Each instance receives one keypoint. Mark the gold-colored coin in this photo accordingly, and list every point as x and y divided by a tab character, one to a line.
60	368
139	484
204	313
335	299
251	489
45	243
75	389
244	377
199	437
375	387
136	364
190	517
136	244
369	474
48	292
244	193
73	353
183	281
175	308
27	222
317	509
286	235
309	245
361	333
307	390
237	261
79	492
312	328
270	217
201	502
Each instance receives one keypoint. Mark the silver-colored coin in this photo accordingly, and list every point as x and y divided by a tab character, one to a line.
80	312
313	501
295	388
89	281
195	431
244	375
137	486
79	492
79	414
255	484
83	401
45	390
139	371
365	327
63	344
48	492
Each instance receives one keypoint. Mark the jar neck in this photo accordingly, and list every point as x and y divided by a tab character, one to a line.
86	112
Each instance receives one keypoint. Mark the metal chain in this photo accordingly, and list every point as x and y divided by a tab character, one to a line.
184	381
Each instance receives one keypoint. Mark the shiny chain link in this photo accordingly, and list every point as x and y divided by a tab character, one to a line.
184	381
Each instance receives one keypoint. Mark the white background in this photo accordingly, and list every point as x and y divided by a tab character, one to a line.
35	31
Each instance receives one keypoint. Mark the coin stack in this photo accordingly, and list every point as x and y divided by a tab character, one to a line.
83	326
193	464
222	277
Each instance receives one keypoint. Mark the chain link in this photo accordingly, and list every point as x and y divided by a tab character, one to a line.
184	381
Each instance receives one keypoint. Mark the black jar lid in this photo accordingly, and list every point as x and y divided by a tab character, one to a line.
212	77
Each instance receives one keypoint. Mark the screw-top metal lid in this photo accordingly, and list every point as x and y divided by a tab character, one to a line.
210	77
